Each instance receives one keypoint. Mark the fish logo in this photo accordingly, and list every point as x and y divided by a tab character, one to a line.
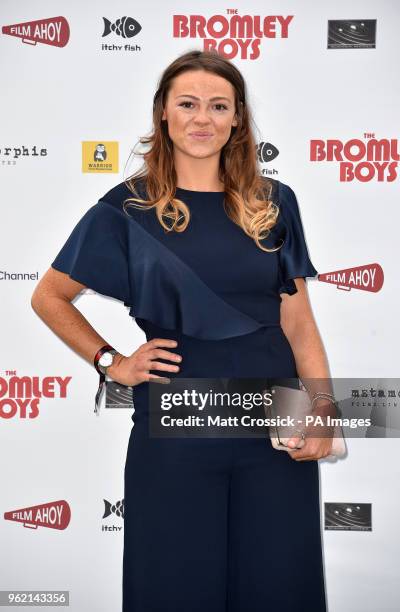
266	152
117	508
125	27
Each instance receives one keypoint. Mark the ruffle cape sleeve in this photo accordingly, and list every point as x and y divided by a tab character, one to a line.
96	253
294	259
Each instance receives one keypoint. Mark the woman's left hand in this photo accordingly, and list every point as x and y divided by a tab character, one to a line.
314	447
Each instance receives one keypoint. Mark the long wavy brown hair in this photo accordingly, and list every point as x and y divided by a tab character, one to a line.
247	193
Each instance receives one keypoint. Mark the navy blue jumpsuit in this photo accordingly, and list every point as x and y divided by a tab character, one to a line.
211	524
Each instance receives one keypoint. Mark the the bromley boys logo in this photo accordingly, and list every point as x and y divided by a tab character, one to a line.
232	35
367	278
360	160
54	515
52	31
20	395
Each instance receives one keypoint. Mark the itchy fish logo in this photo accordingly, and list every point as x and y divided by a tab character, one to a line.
20	395
366	278
232	35
53	515
266	152
360	160
117	508
53	31
125	27
110	509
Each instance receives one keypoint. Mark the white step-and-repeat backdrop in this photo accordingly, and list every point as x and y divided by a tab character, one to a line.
324	88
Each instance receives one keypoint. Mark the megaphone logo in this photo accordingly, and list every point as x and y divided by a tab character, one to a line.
55	515
53	31
366	278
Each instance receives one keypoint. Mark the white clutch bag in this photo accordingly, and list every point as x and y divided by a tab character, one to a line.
295	403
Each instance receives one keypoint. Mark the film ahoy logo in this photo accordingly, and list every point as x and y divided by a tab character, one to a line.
366	278
53	515
52	31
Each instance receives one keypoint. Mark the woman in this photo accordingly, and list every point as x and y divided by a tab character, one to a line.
193	245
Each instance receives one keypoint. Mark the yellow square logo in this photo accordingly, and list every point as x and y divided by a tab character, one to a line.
100	156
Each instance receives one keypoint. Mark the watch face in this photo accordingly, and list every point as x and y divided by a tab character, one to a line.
106	359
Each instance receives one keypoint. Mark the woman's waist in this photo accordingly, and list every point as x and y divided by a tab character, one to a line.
264	352
254	338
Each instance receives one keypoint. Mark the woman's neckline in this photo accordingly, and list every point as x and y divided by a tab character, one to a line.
191	191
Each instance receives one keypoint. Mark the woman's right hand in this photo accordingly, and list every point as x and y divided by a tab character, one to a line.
136	368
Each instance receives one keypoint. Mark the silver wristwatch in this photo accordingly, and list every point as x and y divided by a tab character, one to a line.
106	360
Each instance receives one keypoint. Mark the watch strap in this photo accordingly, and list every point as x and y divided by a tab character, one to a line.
102	376
104	349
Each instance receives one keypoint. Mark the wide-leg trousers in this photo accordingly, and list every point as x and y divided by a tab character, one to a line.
220	525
